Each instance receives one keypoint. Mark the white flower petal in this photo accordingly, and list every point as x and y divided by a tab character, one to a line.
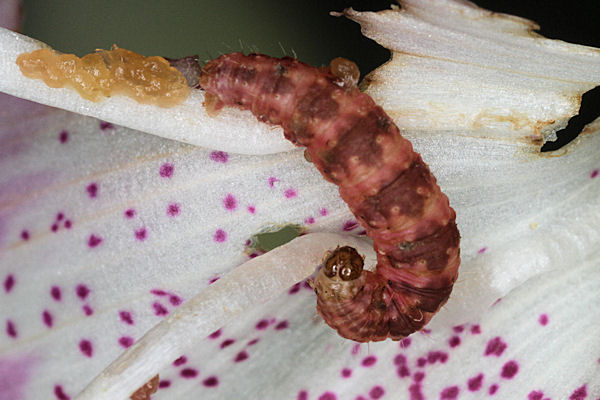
462	68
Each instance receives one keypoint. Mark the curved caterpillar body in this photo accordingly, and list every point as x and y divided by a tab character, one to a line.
390	190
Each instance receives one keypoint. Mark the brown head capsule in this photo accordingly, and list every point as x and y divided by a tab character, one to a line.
344	262
340	278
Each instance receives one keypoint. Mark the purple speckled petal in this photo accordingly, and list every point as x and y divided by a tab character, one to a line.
102	236
104	231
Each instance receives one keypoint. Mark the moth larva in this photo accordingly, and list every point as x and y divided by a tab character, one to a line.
388	187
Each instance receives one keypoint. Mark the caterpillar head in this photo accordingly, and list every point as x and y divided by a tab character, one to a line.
341	276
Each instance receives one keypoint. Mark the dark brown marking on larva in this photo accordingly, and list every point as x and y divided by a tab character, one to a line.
318	103
399	197
432	248
353	143
391	191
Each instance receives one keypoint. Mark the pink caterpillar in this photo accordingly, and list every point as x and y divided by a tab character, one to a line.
390	190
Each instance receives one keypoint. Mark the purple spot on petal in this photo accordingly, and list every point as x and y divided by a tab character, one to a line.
60	393
215	334
94	241
87	310
253	341
104	126
449	393
349	225
474	384
68	224
47	318
164	384
230	202
159	309
419	376
55	293
125	341
9	283
289	193
11	329
509	370
175	300
251	209
63	136
309	220
141	234
227	343
482	250
415	392
405	343
188	373
302	395
435	356
211	381
400	359
543	319
241	356
281	325
454	341
85	346
475	330
180	361
495	347
173	210
272	181
129	213
219	156
54	228
158	292
92	190
220	236
25	235
323	212
262	324
328	396
493	389
295	288
126	317
535	395
346	373
579	394
166	170
82	291
594	173
369	361
403	371
376	392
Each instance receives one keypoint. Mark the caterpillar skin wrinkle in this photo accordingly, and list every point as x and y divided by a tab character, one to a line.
388	187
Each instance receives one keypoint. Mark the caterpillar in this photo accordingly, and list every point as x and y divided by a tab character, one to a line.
386	184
